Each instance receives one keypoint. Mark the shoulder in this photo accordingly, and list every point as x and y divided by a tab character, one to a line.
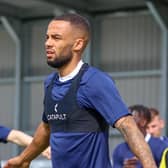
155	140
157	144
165	139
49	78
94	75
157	147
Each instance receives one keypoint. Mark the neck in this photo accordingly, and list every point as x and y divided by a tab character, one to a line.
67	69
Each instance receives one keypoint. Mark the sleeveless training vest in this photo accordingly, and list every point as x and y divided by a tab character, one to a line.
66	115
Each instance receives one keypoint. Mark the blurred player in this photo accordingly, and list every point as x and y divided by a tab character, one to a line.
156	125
18	137
123	156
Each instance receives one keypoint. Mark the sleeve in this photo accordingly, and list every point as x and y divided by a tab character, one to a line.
102	95
4	132
44	118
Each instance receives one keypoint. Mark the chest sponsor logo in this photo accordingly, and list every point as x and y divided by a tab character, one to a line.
57	116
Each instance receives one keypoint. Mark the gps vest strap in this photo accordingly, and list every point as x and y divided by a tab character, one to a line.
67	116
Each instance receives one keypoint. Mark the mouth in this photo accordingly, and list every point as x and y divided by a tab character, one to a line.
49	54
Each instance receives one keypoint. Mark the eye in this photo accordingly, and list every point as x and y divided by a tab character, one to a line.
46	37
56	37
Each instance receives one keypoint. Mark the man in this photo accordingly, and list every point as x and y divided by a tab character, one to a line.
156	125
18	137
122	155
80	102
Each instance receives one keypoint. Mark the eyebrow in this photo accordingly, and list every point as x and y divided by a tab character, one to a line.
55	35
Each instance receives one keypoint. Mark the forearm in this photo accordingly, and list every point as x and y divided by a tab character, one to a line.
39	143
136	141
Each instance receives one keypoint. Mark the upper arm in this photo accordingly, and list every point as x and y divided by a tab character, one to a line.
12	136
126	125
43	131
20	138
104	97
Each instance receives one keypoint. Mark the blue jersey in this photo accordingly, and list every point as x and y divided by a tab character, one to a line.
122	152
86	149
4	132
164	139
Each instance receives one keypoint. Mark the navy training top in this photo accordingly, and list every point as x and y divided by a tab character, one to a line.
86	149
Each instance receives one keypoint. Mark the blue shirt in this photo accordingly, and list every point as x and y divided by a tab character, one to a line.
4	132
122	152
90	149
164	139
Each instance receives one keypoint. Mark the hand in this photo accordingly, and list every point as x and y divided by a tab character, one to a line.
47	153
16	162
130	163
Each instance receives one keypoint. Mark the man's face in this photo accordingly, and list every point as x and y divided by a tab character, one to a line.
140	121
155	126
59	43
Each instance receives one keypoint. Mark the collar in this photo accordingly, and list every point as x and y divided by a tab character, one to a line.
73	73
147	137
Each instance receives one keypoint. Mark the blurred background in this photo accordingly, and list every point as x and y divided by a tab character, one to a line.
129	41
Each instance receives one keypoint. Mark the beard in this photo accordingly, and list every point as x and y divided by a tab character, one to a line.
63	60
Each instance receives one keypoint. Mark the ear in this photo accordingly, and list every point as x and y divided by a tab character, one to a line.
162	123
79	44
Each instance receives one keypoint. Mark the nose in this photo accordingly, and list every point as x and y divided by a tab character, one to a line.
48	42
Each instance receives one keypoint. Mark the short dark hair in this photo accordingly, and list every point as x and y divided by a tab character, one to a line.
154	112
142	110
76	20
